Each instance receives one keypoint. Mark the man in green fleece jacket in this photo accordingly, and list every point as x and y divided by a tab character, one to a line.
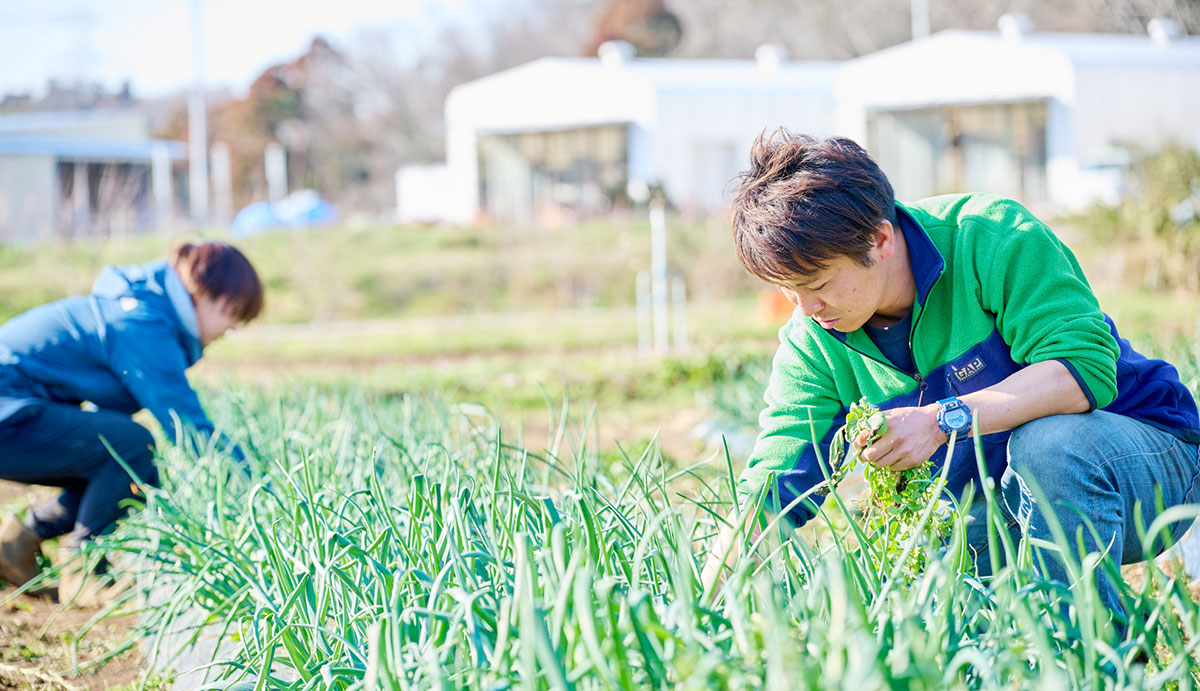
940	311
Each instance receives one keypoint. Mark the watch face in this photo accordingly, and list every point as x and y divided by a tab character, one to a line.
957	419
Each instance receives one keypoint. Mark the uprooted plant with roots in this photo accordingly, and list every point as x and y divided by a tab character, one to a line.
893	508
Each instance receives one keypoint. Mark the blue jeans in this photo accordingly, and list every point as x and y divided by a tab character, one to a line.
59	445
1102	464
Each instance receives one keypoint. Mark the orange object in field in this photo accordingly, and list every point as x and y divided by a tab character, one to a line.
773	307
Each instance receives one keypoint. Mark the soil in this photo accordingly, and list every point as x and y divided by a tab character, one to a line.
38	647
1135	576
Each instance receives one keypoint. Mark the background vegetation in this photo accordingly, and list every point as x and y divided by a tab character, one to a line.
1153	235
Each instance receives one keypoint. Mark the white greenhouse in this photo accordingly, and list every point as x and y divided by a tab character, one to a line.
1047	118
1041	117
567	136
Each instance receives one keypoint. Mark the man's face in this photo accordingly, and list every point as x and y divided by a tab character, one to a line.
845	294
842	296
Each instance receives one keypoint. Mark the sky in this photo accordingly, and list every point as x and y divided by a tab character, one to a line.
148	42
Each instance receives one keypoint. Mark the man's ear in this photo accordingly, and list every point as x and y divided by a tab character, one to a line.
885	239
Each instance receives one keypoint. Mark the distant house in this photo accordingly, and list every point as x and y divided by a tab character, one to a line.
1036	116
83	172
566	136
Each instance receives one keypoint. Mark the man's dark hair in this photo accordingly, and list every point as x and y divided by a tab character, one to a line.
805	201
218	270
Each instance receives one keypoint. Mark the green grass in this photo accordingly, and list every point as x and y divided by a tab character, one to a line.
389	543
353	273
596	329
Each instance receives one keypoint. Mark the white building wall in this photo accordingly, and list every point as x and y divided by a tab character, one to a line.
1147	105
27	196
643	167
691	149
949	68
1062	168
705	137
546	94
1114	106
422	192
462	160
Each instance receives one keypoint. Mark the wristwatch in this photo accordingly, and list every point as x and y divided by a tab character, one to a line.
953	416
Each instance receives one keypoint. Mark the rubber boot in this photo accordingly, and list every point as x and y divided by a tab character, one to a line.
19	547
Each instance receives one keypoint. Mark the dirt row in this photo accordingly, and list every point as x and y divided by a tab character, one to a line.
38	647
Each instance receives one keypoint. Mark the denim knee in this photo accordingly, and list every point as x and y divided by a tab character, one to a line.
1046	450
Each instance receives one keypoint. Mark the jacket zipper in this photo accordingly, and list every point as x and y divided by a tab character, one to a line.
912	354
922	385
916	376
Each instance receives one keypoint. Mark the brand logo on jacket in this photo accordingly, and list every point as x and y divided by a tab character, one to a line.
975	366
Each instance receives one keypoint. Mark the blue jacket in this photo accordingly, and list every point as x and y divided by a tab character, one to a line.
125	347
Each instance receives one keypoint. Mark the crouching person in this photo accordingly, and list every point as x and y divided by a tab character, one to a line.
944	310
123	348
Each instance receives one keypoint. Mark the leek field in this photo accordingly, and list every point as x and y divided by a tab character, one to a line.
461	475
403	542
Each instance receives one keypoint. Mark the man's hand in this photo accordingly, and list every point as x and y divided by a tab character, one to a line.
912	436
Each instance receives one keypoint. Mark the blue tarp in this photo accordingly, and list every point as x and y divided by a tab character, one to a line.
300	209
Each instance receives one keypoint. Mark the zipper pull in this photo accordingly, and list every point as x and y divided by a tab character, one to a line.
923	385
952	385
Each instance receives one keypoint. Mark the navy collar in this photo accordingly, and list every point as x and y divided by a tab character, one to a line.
924	258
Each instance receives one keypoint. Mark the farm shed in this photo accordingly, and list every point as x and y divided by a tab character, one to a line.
1037	116
78	173
566	135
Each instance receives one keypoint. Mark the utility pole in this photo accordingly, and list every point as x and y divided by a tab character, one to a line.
276	165
164	194
920	18
198	124
658	276
222	183
661	293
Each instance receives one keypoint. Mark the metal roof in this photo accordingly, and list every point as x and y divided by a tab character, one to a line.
80	148
1081	49
12	123
666	73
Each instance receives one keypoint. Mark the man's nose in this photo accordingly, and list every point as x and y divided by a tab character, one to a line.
809	304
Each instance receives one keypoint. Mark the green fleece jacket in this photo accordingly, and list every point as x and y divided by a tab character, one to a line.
996	291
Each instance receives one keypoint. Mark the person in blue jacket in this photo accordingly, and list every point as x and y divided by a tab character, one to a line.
123	348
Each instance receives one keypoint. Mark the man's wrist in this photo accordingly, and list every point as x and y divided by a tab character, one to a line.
931	411
953	417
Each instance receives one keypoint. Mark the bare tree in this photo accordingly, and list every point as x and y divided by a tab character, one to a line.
825	29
